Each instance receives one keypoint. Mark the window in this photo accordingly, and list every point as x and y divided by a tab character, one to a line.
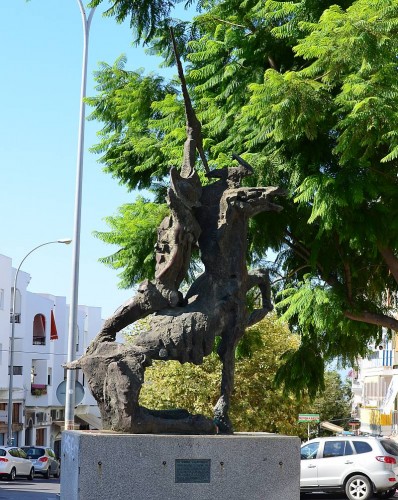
336	449
390	447
39	330
1	298
17	370
362	447
309	451
49	376
35	453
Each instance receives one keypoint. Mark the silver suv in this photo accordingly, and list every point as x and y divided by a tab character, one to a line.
357	465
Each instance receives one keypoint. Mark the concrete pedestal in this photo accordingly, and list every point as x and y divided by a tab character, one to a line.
246	466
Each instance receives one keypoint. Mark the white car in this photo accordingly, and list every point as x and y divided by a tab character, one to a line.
359	466
14	462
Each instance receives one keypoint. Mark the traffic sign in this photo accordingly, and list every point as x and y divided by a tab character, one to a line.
308	417
61	392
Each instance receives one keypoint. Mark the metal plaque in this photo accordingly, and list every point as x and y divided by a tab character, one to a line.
192	471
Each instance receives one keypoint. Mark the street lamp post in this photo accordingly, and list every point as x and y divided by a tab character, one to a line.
11	366
70	375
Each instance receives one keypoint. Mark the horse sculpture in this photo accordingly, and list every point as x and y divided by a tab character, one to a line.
215	217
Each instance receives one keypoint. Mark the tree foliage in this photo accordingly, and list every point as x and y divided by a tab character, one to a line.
145	15
135	150
306	91
342	104
257	405
334	403
133	231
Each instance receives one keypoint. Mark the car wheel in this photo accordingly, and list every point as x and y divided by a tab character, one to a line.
47	474
31	474
358	488
57	474
12	474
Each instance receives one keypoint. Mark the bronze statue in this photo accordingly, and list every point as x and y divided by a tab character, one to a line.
215	217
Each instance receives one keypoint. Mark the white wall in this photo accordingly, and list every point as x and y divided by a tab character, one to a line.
46	359
5	291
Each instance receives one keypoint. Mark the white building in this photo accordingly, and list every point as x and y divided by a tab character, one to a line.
375	388
40	350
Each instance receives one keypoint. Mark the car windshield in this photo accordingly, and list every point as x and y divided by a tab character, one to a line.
390	447
2	453
35	452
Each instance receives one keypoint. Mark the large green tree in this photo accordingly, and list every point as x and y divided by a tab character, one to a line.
306	91
332	124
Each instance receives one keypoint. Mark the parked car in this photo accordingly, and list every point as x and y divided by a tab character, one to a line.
359	466
14	462
44	460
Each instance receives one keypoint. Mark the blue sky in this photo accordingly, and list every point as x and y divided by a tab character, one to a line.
41	51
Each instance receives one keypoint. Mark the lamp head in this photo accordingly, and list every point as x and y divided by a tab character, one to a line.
66	241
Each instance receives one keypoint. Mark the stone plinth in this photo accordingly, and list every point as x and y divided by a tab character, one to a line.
245	466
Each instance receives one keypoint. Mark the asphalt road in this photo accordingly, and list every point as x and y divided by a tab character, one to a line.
43	489
38	489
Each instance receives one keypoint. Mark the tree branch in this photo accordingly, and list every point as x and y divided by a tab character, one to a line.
296	249
391	260
298	244
224	21
284	278
302	252
347	272
373	319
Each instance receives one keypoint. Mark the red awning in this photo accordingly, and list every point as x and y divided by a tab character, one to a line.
53	332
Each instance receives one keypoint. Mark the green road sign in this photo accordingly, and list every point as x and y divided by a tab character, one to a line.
308	417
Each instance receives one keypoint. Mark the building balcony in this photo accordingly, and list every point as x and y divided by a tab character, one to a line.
16	427
379	359
39	340
38	389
